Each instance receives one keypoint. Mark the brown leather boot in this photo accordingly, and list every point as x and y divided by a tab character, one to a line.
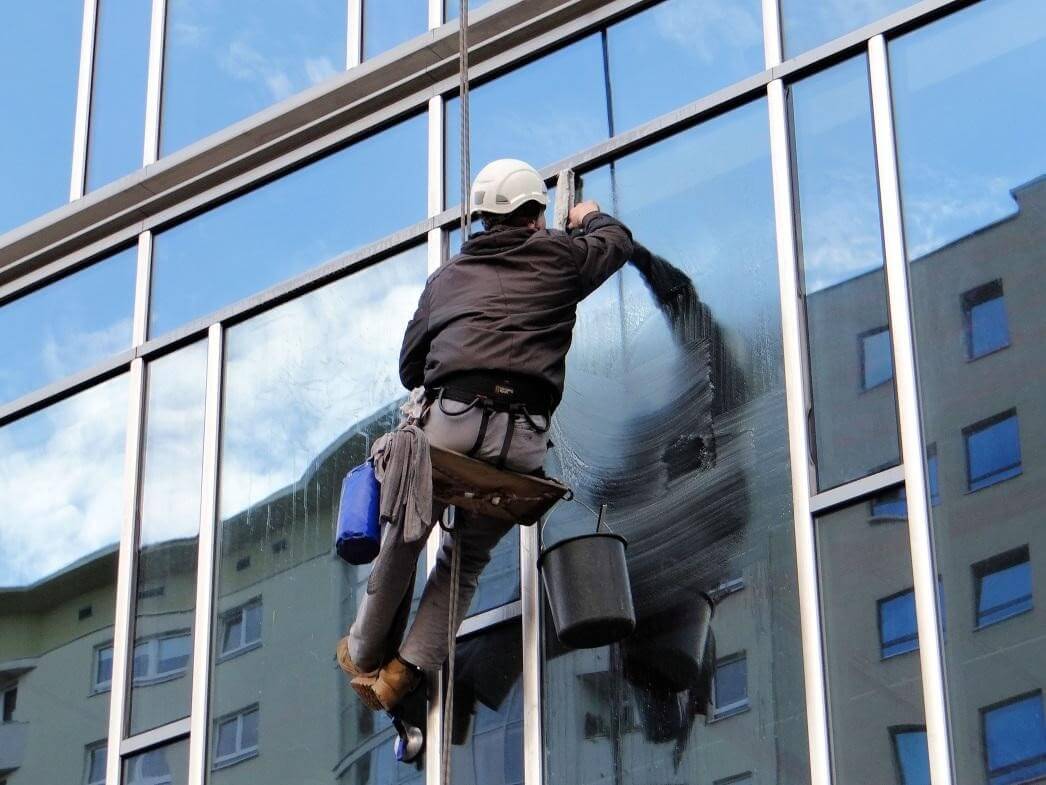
346	664
394	682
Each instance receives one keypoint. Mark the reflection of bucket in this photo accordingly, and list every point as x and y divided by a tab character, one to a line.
586	580
670	650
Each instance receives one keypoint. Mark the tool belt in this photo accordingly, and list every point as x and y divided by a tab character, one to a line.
499	392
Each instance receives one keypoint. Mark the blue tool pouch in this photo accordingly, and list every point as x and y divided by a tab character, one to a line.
359	528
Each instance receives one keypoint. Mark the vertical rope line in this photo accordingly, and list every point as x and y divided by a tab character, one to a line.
452	635
463	67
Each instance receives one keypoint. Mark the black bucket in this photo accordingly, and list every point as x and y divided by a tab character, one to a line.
586	580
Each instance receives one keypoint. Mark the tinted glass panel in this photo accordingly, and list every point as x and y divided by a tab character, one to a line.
536	113
677	52
810	23
988	330
386	24
974	197
1004	587
40	58
225	61
499	581
868	613
488	708
696	515
61	492
121	60
851	365
309	386
170	528
166	765
451	7
289	225
1015	741
66	326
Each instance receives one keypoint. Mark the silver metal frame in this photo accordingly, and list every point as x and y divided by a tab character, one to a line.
142	287
165	734
913	449
154	84
85	77
353	33
858	489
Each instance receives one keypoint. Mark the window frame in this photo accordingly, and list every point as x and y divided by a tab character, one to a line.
737	707
1002	474
991	566
89	753
152	644
913	638
242	753
9	705
244	645
861	339
970	299
99	687
901	730
138	760
984	712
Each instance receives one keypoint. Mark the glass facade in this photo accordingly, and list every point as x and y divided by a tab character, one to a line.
177	413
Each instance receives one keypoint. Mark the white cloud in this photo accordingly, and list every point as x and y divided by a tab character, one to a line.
65	354
319	69
708	29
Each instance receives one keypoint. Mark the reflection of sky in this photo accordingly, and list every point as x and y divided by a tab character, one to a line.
835	165
121	60
386	24
539	113
451	7
303	374
810	23
174	446
290	225
970	116
61	488
39	60
678	51
67	326
225	61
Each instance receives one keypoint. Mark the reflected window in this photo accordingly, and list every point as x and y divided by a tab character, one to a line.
94	766
876	358
993	450
890	505
289	225
1003	586
730	689
386	24
241	629
898	631
984	316
911	755
161	658
67	326
1015	740
236	738
226	61
10	702
148	768
103	668
932	469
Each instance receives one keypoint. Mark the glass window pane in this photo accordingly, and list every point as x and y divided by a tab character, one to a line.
1015	741
249	730
290	225
868	613
226	61
233	637
809	23
169	530
387	24
851	363
121	60
166	765
308	386
540	113
226	745
40	58
993	452
499	581
635	382
96	766
451	7
731	684
1004	587
67	326
62	497
252	618
677	52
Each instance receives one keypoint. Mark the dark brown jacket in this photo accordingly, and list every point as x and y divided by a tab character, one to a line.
508	302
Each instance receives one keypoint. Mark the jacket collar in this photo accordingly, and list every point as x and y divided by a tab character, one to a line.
496	240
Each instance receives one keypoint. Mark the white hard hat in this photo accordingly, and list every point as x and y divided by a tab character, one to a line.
503	185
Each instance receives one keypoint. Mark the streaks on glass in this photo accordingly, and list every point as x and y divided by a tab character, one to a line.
226	61
674	416
61	492
289	225
67	326
309	386
851	368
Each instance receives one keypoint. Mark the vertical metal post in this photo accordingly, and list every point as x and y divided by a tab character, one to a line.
436	14
798	436
434	717
126	570
354	34
83	100
530	593
154	83
205	571
913	450
142	287
772	42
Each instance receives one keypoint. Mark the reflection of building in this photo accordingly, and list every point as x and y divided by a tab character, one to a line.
983	431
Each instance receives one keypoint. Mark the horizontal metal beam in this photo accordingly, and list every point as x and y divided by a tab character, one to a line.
172	731
494	616
856	490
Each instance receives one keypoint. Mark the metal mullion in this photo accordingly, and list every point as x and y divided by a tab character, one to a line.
530	597
913	449
843	495
154	83
88	41
142	289
172	731
798	437
126	571
207	559
772	41
436	13
434	715
354	34
492	617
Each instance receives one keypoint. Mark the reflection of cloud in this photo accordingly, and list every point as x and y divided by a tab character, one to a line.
708	28
319	69
61	474
303	374
64	354
187	34
242	61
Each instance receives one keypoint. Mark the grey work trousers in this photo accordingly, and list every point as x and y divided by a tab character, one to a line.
377	632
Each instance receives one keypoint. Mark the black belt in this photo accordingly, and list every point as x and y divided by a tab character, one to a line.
500	392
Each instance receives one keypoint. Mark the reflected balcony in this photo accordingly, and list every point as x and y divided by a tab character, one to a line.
12	745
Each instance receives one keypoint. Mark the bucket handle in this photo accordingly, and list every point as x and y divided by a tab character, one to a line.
600	518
